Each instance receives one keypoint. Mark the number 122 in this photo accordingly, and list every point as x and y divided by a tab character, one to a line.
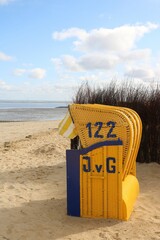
99	125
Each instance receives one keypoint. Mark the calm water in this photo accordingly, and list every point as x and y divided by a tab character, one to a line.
32	111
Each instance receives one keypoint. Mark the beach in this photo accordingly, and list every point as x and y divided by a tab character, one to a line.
33	191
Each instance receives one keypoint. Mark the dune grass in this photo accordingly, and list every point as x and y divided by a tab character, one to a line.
144	100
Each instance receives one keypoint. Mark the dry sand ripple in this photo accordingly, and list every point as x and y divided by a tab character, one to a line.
33	191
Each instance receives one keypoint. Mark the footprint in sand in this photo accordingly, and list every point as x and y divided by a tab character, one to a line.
7	144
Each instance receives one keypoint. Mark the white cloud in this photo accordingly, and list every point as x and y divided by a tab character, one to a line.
114	52
19	71
138	54
98	61
69	33
104	48
37	73
4	86
64	87
48	90
146	73
3	2
72	63
57	63
91	78
4	57
87	62
122	38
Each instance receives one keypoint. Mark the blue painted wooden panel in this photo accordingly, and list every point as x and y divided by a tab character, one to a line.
73	183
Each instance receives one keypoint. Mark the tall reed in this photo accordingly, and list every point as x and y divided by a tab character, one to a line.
145	101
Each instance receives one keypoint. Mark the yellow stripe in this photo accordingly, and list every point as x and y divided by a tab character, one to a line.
73	134
67	128
63	121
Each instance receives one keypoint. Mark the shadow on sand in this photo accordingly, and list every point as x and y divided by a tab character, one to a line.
44	219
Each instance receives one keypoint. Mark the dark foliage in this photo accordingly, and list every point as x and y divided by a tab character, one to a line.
145	101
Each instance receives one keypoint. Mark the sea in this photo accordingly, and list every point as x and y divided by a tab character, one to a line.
32	110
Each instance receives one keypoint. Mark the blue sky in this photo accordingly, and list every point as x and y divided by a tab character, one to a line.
48	48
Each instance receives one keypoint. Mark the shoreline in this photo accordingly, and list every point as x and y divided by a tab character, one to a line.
32	114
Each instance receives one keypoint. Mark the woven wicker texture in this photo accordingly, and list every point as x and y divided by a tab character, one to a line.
95	123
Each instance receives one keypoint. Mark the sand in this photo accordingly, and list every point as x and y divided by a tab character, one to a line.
33	191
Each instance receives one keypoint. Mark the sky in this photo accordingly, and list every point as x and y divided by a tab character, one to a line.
50	47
